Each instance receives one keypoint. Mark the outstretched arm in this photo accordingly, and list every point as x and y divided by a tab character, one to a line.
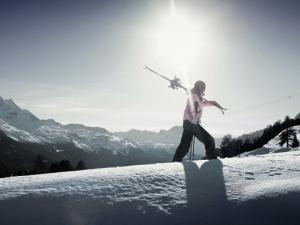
214	103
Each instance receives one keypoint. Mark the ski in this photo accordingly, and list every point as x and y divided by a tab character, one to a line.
174	84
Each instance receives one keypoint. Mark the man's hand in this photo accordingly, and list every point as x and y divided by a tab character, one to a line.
214	103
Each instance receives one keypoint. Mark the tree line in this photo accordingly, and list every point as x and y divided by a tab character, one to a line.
41	166
231	147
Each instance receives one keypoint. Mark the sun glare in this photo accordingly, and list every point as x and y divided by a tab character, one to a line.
177	40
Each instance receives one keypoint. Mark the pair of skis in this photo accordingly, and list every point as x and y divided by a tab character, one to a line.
174	84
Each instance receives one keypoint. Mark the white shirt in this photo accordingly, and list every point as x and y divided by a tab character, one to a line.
190	112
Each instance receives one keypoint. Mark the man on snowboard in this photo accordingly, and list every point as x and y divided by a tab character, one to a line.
191	124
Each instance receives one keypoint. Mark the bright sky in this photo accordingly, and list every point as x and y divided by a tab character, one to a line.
82	61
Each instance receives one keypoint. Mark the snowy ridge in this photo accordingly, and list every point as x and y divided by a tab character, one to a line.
23	126
156	145
19	135
144	136
168	193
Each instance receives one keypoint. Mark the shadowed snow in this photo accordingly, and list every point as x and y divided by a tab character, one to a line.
232	191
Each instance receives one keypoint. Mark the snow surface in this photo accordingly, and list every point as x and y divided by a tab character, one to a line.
261	189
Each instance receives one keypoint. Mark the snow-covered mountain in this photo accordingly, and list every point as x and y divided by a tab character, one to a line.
250	190
165	139
168	137
21	125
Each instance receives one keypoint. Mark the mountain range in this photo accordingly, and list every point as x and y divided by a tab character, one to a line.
23	126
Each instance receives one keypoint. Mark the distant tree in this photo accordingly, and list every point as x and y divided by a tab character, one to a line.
18	172
53	167
4	171
277	123
80	165
268	129
27	172
238	146
286	137
65	165
223	152
226	140
287	118
40	165
276	126
295	142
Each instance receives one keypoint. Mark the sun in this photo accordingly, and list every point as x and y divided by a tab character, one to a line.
177	40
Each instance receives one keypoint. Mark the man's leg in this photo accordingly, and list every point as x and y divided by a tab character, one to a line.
184	146
208	141
203	136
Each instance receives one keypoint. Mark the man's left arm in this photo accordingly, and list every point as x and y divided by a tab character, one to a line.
214	103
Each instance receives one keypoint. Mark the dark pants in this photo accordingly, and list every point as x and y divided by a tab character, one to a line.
190	130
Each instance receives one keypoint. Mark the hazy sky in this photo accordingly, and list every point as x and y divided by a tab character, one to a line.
82	61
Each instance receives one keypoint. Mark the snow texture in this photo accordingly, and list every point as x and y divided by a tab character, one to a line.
263	189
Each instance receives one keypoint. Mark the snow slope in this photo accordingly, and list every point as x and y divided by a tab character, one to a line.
251	190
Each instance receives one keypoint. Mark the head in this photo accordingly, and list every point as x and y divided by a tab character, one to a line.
199	88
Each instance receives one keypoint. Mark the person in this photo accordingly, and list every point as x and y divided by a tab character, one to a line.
191	123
